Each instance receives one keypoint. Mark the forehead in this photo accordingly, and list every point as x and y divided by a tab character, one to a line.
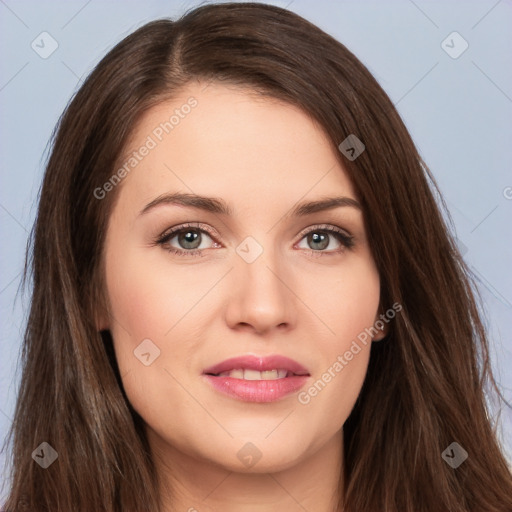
229	142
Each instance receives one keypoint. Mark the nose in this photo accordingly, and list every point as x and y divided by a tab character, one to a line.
261	296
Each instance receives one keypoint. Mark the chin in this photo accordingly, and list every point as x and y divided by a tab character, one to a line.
255	455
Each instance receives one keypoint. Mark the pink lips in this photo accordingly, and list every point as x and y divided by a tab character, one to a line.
257	390
260	364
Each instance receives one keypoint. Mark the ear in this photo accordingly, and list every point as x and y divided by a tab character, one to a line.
381	323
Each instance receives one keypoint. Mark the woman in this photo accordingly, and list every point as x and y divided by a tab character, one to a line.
244	292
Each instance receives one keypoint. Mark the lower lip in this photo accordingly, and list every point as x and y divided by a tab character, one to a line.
257	390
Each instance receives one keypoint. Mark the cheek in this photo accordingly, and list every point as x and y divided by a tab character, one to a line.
146	303
343	301
347	306
149	306
149	297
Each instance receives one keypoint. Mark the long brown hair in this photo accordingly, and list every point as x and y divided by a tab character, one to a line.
427	382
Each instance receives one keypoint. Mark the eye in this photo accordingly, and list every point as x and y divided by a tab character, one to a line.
321	237
188	236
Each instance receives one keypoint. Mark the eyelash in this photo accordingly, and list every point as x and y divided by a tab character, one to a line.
346	240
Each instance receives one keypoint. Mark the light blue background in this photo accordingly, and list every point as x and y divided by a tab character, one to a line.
457	110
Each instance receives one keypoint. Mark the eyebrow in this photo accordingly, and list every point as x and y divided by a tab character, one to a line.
219	206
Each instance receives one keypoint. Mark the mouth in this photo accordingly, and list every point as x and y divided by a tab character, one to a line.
257	379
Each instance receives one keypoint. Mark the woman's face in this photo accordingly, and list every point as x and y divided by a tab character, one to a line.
269	280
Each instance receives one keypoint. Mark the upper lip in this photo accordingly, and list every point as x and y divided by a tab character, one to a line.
259	363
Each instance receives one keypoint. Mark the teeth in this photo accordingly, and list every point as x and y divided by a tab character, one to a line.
255	375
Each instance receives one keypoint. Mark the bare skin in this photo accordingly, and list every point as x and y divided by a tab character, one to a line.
301	298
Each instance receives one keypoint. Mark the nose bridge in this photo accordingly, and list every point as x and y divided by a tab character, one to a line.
260	295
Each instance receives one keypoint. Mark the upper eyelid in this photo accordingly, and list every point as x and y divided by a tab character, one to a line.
172	232
323	226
